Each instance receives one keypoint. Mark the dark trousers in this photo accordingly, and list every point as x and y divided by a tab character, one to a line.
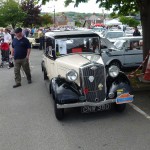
41	40
25	65
5	55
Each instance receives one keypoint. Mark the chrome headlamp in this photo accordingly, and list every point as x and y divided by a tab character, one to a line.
113	71
72	75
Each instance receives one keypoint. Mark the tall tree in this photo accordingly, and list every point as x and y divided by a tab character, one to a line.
11	13
125	7
46	19
33	10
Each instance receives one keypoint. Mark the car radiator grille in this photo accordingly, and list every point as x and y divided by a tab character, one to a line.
93	82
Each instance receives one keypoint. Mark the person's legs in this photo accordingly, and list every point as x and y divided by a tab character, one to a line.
40	40
17	73
2	58
26	68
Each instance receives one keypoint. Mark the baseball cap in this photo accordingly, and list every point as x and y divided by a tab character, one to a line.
18	30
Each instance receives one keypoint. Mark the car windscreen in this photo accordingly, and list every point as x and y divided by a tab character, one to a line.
114	34
77	45
119	44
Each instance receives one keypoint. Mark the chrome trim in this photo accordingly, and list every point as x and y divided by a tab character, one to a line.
85	104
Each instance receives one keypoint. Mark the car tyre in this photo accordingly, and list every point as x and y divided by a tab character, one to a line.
120	107
115	63
59	113
45	75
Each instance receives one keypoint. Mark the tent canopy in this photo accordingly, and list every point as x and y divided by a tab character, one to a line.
113	22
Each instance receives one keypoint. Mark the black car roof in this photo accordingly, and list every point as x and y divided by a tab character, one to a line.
71	34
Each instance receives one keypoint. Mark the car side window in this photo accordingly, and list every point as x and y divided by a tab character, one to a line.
135	45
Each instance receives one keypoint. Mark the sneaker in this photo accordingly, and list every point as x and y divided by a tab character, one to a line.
1	66
16	85
8	67
29	81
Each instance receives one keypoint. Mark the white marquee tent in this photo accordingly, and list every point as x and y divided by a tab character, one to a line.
113	22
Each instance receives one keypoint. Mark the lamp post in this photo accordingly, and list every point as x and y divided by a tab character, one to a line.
54	16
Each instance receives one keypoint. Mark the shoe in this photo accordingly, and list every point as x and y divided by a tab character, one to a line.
8	67
29	81
16	85
1	66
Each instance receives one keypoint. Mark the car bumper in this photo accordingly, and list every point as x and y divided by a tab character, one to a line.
81	104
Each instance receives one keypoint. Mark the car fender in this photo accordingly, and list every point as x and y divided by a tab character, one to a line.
64	92
113	60
121	82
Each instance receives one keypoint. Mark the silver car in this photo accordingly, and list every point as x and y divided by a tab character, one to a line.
125	52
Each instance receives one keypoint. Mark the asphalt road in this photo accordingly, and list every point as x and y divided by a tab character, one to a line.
27	120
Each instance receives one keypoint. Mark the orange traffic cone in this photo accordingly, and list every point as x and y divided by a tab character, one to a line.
147	72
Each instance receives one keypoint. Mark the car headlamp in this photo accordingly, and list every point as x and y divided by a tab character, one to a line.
72	75
113	71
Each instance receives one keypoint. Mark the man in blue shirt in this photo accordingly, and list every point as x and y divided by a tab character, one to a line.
21	49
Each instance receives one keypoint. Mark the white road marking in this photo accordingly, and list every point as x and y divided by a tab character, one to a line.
140	111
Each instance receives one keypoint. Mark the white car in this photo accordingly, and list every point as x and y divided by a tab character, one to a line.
112	35
126	52
73	64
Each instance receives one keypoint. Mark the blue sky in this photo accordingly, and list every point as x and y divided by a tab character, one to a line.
90	7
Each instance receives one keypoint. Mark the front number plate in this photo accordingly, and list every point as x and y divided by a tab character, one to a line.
88	109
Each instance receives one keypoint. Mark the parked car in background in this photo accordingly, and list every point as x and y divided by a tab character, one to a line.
73	64
98	29
126	52
34	40
112	35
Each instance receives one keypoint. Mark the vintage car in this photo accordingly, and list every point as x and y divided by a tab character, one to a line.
125	52
34	40
77	75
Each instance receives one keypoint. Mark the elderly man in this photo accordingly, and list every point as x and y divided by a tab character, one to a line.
21	48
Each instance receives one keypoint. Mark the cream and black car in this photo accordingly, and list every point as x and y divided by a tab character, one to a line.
77	75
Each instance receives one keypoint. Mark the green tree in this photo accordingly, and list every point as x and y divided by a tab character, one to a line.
125	7
113	15
46	19
11	13
32	10
129	21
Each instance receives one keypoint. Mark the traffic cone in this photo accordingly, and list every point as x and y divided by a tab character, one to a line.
147	72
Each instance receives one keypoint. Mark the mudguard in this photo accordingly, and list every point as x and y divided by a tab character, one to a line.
64	92
121	82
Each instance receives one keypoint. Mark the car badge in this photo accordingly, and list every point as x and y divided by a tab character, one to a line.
100	86
93	68
91	78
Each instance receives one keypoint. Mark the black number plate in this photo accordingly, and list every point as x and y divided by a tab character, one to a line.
88	109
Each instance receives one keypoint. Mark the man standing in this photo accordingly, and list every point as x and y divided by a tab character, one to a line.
5	50
21	49
136	32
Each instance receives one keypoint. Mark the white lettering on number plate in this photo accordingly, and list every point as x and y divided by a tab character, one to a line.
88	109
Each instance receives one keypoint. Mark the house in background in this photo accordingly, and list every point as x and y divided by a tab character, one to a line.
94	19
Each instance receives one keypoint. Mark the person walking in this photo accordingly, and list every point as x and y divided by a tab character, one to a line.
21	49
5	47
136	32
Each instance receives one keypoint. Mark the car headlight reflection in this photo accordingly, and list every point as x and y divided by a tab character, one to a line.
72	75
113	71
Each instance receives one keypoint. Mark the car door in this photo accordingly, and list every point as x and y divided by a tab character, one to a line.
133	55
50	58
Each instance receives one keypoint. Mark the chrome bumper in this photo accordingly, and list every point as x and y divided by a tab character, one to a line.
85	104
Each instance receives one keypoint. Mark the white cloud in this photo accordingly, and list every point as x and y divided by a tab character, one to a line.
90	7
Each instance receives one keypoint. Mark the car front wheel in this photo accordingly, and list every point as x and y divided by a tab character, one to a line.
59	113
115	63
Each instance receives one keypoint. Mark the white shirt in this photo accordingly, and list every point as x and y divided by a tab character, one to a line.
7	38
